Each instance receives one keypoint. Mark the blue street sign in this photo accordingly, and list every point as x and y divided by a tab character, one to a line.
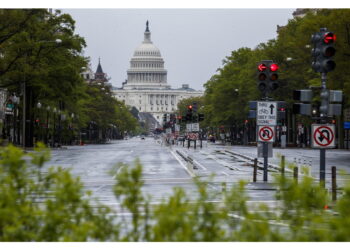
346	125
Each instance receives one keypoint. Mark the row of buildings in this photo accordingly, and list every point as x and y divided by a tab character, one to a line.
146	87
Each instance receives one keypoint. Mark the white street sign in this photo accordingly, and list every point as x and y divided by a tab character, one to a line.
177	127
323	136
266	113
189	127
195	127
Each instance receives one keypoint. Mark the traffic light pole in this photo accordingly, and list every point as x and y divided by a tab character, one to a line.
265	151
323	114
265	154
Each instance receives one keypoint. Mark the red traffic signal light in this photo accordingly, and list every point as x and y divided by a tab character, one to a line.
329	38
323	51
262	67
189	107
274	67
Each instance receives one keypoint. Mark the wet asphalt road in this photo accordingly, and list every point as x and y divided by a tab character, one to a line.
92	163
163	169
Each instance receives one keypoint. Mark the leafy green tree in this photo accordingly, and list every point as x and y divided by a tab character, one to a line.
37	205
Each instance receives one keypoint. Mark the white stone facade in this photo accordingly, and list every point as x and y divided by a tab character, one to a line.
146	88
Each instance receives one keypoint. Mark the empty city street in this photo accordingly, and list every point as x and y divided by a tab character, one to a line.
164	168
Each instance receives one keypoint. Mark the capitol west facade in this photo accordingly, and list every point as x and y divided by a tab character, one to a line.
146	87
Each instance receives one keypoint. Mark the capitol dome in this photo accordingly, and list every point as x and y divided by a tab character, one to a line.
147	50
147	66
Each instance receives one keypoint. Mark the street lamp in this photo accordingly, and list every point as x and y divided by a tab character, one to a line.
54	127
47	124
37	120
15	101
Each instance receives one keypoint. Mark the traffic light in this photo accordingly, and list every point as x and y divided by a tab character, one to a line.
305	96
195	107
189	113
189	109
164	118
273	76
323	51
200	117
267	76
262	78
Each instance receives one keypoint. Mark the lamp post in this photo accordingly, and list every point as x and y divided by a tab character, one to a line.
15	101
54	127
72	129
61	120
47	124
37	121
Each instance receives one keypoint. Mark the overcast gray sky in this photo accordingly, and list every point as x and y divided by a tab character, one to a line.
193	42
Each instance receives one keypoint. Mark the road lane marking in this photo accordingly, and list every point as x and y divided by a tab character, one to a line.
183	165
225	173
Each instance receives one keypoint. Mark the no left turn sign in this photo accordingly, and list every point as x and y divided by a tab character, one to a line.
266	133
323	136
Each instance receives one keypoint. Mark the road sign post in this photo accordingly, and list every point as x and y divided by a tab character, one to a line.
323	137
266	119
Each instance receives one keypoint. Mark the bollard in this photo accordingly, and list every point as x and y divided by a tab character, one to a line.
188	143
195	144
334	183
255	171
183	142
295	174
283	162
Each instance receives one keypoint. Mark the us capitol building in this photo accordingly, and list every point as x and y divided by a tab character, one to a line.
146	87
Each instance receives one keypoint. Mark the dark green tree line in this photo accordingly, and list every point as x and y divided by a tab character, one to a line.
41	56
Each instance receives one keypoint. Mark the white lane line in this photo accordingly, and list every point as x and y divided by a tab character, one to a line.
225	173
177	158
118	171
197	163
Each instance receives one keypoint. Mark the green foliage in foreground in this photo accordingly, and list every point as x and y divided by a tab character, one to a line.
48	204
